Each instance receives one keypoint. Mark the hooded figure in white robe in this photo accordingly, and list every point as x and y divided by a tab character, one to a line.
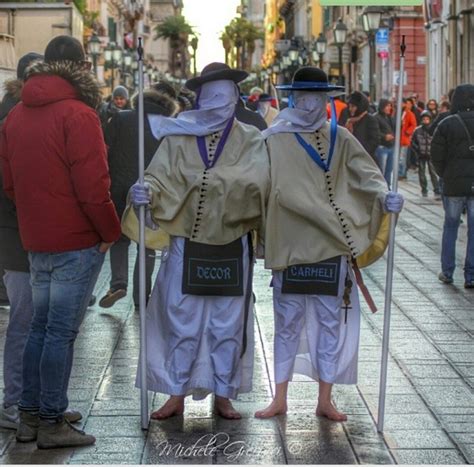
206	191
326	206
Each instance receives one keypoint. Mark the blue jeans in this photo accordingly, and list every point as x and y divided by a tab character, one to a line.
384	159
21	313
62	285
453	207
403	164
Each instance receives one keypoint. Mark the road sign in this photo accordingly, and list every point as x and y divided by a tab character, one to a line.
396	78
382	39
382	36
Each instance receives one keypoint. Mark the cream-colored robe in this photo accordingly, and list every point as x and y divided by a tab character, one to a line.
214	206
313	216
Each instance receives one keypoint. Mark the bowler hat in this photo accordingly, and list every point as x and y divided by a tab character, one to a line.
214	72
310	78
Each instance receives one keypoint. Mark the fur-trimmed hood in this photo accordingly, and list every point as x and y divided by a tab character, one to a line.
157	103
13	88
82	84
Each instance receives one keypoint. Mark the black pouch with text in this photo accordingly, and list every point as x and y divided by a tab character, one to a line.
313	279
213	269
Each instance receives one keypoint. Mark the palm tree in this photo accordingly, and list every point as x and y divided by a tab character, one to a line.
177	31
239	39
227	43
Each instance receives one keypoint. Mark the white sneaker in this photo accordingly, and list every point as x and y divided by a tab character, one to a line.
9	417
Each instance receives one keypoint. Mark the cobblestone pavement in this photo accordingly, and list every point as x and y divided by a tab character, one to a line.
430	401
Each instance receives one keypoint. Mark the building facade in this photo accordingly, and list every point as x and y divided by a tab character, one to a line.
254	11
450	41
362	50
287	21
160	49
30	26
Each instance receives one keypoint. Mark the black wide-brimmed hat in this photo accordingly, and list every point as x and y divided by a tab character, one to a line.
310	78
214	72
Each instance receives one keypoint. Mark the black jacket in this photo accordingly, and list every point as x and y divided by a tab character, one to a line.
367	133
450	153
121	136
245	115
107	110
421	142
386	125
12	255
366	130
437	120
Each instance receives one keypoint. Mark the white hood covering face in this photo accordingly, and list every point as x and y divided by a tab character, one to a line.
308	115
215	106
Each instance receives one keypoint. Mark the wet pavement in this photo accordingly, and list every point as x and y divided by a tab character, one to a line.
430	400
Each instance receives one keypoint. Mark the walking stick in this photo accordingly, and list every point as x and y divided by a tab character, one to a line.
391	250
141	244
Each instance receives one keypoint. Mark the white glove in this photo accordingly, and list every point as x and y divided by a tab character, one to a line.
393	202
140	195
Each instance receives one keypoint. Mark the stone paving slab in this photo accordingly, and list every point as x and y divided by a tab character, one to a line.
429	405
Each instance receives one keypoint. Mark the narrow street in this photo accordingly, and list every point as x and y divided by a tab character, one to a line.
430	399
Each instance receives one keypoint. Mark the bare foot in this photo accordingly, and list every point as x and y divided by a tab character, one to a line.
173	406
329	411
225	409
275	408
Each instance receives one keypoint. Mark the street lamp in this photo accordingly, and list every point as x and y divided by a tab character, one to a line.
321	45
371	17
113	58
149	71
293	53
94	50
340	35
194	45
156	74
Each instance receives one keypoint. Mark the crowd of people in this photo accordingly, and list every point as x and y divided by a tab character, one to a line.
228	180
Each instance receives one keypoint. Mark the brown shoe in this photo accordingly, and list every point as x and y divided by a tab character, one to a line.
113	295
28	427
61	434
73	416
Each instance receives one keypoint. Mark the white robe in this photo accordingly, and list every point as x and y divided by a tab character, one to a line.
311	337
194	342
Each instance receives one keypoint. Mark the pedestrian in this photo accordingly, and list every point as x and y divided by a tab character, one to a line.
121	137
421	148
54	167
245	115
372	108
340	107
12	96
119	101
207	188
338	196
408	127
252	100
16	278
444	112
361	124
384	152
452	153
432	108
265	109
411	106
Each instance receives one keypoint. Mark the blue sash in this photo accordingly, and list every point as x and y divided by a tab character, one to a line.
201	140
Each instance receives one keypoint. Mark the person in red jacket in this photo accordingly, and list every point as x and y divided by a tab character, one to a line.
54	167
408	127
